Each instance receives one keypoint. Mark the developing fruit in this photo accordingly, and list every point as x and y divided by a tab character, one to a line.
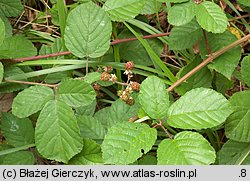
130	101
128	90
97	87
119	92
130	65
108	69
105	76
124	96
135	86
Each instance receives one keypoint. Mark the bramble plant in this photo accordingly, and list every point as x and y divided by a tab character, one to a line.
125	82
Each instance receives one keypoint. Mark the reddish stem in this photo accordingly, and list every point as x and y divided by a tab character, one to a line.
67	53
207	44
31	83
208	60
133	39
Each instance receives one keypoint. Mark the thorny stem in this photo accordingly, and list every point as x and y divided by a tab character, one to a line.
207	45
164	129
67	53
121	83
239	17
56	89
178	82
87	64
208	60
41	57
134	39
31	83
129	77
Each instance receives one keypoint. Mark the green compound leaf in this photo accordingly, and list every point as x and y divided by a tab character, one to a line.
187	148
226	63
88	31
76	93
87	110
57	134
123	10
238	125
90	127
117	113
90	155
181	14
2	31
10	8
19	158
18	132
124	142
199	108
92	77
17	47
185	36
154	97
31	100
245	67
211	17
234	153
1	72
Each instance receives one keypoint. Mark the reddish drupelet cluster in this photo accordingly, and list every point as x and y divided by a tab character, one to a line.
124	94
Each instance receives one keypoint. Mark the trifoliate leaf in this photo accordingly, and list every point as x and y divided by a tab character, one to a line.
87	110
119	112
